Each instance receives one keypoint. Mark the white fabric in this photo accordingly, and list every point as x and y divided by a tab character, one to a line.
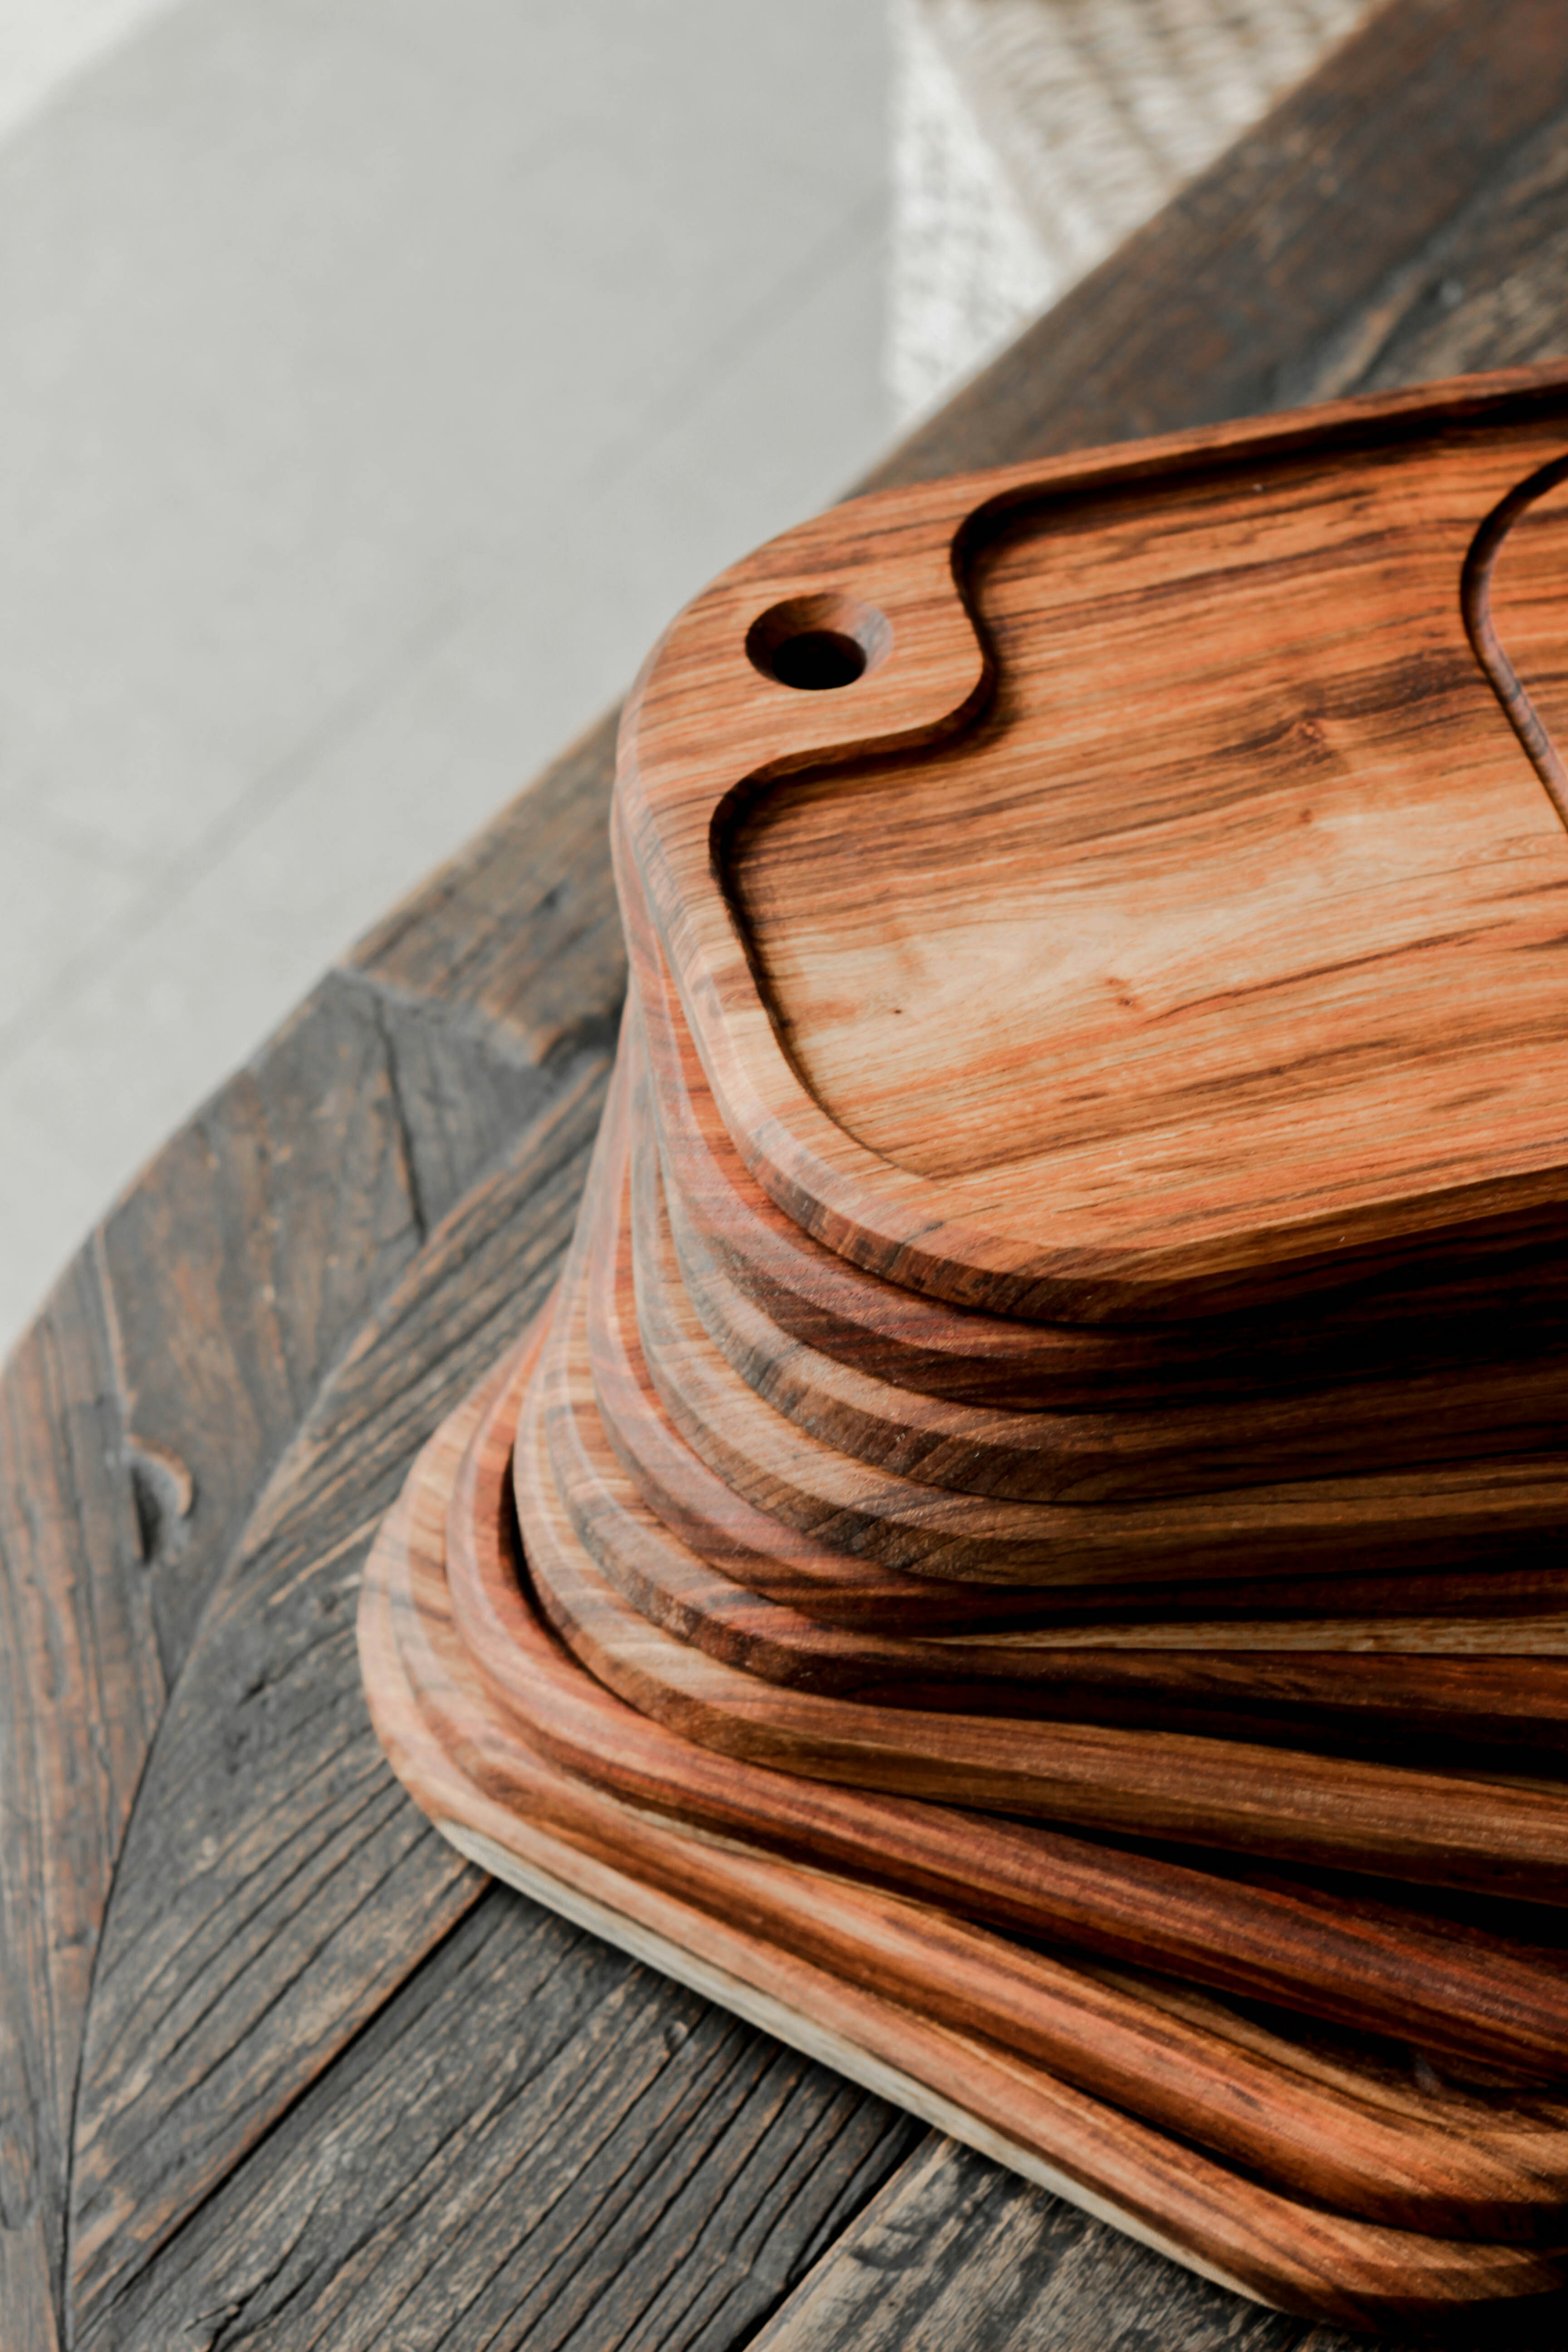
1029	137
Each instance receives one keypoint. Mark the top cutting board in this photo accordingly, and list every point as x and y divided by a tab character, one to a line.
1136	885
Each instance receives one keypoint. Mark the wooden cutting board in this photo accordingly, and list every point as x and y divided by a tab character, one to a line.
1304	2170
1131	887
1026	1550
1316	2177
1409	1372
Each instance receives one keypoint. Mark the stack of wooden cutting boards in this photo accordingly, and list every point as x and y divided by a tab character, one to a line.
1027	1554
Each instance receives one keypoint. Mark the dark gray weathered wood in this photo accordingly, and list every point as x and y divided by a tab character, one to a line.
274	1889
537	2142
955	2256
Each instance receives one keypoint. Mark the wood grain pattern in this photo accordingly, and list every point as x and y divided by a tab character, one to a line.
526	2075
737	1800
1172	1445
1296	1366
1302	1690
223	1903
1467	1995
1449	1513
754	1549
75	1594
1479	1410
490	1665
1515	1608
1436	1829
824	1916
1171	1109
956	2252
424	1683
766	1616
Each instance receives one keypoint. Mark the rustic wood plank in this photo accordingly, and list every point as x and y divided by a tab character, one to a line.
1486	292
240	1266
81	1688
245	1259
955	2256
172	1368
221	1291
143	1411
536	2141
273	1889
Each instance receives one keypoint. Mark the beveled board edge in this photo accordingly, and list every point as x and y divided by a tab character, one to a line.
435	1769
808	2035
448	1757
612	1906
705	730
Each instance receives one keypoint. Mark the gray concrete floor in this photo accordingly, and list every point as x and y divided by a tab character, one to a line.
44	43
378	378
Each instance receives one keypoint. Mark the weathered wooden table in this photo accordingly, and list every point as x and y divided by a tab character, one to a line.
277	2068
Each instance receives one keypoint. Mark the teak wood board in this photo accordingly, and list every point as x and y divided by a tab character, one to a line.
1169	917
1431	1320
1464	1832
1391	1519
832	1965
1478	1408
1513	1607
1438	1681
1411	2205
851	1357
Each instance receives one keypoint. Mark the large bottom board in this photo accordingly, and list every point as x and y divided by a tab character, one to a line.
467	1758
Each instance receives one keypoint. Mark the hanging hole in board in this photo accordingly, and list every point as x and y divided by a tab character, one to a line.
816	644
